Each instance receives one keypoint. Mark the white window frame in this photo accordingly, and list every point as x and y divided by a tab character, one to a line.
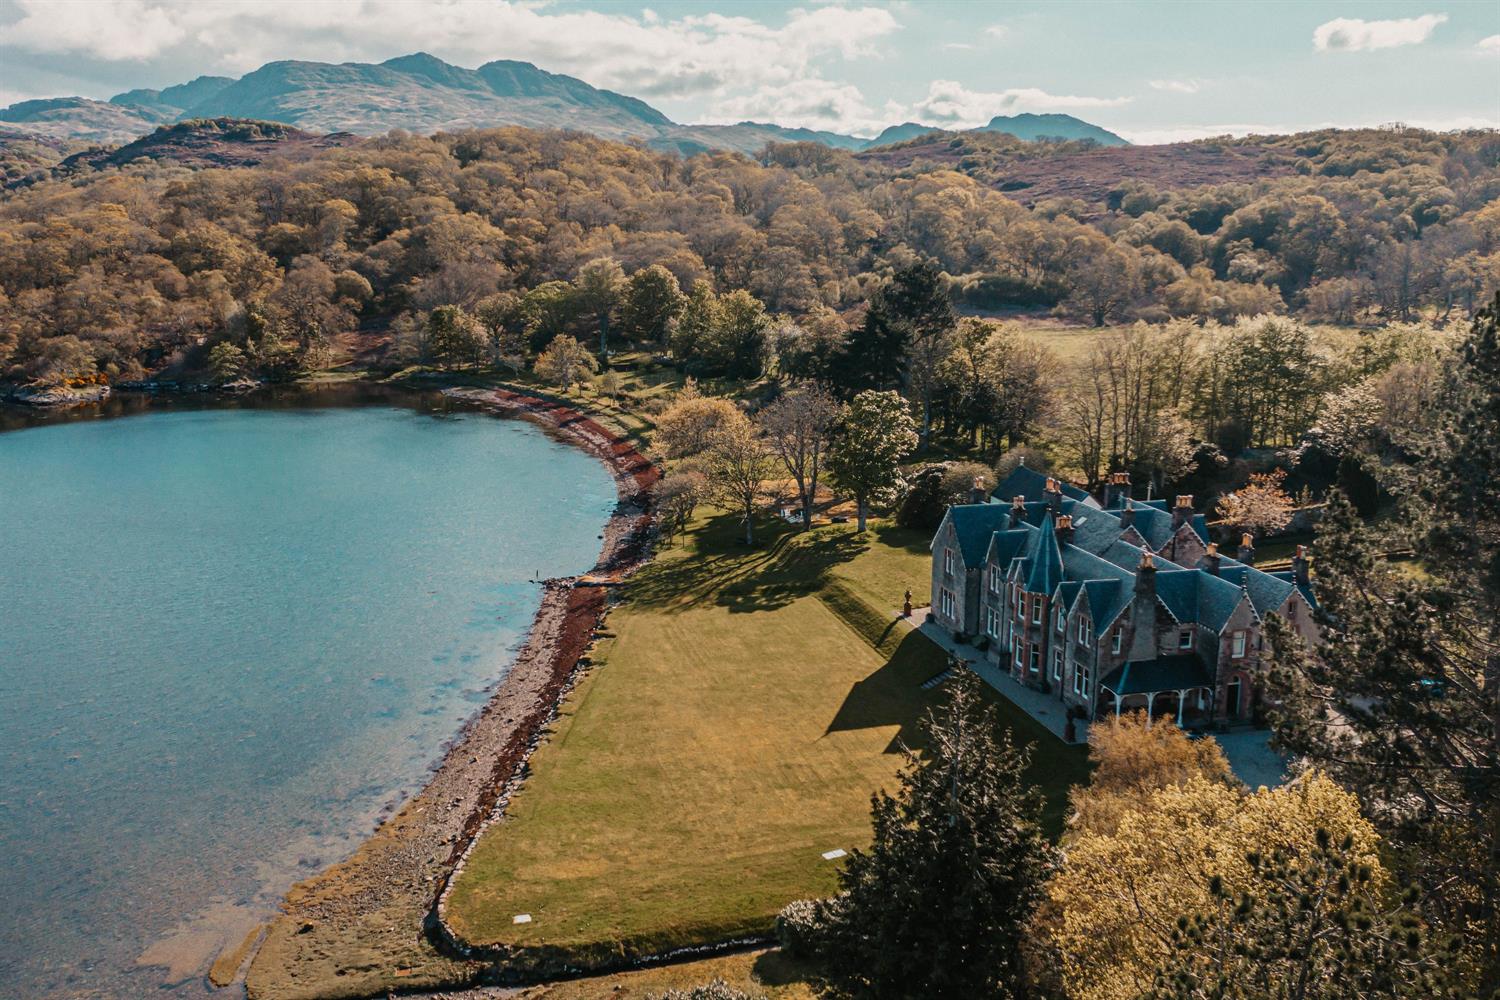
948	561
1062	620
1083	632
1185	638
994	579
1240	644
1118	641
1034	668
1036	609
1057	659
1083	668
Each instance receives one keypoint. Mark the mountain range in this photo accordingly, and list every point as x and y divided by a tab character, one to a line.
421	93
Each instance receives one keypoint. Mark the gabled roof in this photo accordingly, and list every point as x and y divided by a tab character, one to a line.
1106	599
1267	591
1032	485
1006	547
1196	596
974	523
1046	560
1165	673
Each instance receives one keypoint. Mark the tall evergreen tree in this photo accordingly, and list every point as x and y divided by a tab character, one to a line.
935	909
1401	701
1311	926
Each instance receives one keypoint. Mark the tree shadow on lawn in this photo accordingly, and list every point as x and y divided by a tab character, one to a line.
893	696
785	564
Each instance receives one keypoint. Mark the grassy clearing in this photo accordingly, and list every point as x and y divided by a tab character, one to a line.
746	707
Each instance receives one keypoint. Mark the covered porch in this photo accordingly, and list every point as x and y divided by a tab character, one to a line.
1174	687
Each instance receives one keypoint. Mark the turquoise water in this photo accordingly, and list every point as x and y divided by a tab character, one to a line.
231	638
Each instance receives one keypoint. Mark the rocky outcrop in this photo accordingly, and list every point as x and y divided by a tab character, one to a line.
54	396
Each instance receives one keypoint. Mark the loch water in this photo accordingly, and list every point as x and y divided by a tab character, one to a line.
231	638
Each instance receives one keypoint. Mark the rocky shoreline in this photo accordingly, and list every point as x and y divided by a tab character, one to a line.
366	926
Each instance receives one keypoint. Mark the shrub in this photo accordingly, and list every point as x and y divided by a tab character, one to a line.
923	505
799	928
716	990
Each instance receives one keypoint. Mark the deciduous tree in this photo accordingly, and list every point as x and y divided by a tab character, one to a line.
874	433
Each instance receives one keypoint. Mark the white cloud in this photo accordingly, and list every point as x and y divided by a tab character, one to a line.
1351	34
950	103
704	55
959	46
812	103
997	31
1489	46
1177	86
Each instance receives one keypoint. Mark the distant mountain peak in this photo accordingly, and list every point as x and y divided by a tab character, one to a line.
422	93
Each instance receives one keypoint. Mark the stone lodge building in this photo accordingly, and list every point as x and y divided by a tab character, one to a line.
1111	606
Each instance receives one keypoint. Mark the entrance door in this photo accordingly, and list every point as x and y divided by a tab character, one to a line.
1232	703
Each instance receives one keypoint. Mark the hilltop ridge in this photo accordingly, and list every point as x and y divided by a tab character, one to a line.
421	93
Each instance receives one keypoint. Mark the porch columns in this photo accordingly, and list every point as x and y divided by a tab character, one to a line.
1181	699
1117	704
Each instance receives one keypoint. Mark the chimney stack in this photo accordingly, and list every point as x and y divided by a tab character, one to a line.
1116	490
1064	529
1054	495
1301	565
1211	558
977	491
1182	510
1127	516
1143	609
1017	512
1246	554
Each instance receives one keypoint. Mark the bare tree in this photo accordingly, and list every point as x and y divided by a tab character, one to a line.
735	468
797	427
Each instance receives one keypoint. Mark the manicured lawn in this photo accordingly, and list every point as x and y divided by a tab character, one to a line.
732	731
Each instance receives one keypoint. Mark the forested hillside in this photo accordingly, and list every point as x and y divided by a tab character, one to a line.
128	270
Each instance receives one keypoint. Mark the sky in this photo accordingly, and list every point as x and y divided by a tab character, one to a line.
1150	71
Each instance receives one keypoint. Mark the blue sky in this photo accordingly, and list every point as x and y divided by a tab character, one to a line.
1152	71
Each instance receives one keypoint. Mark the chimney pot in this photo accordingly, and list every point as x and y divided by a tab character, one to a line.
1211	558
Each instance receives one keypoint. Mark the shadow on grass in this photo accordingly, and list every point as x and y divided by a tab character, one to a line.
776	968
719	569
892	695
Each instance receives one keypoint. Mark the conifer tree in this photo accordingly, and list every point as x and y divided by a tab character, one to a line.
1401	701
1309	926
936	907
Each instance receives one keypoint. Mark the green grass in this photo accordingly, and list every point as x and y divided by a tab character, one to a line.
733	730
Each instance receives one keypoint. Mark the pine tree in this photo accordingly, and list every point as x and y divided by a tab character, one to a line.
936	907
1311	926
1401	701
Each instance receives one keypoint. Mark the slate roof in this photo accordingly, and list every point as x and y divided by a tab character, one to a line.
1028	483
1165	673
1194	595
1046	563
974	523
1095	557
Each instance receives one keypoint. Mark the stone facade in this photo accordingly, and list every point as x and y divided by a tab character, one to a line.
1114	605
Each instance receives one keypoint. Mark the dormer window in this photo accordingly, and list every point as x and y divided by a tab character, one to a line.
1185	639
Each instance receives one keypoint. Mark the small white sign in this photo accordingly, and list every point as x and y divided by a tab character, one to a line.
521	918
833	855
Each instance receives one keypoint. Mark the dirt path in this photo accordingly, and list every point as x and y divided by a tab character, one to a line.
359	929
